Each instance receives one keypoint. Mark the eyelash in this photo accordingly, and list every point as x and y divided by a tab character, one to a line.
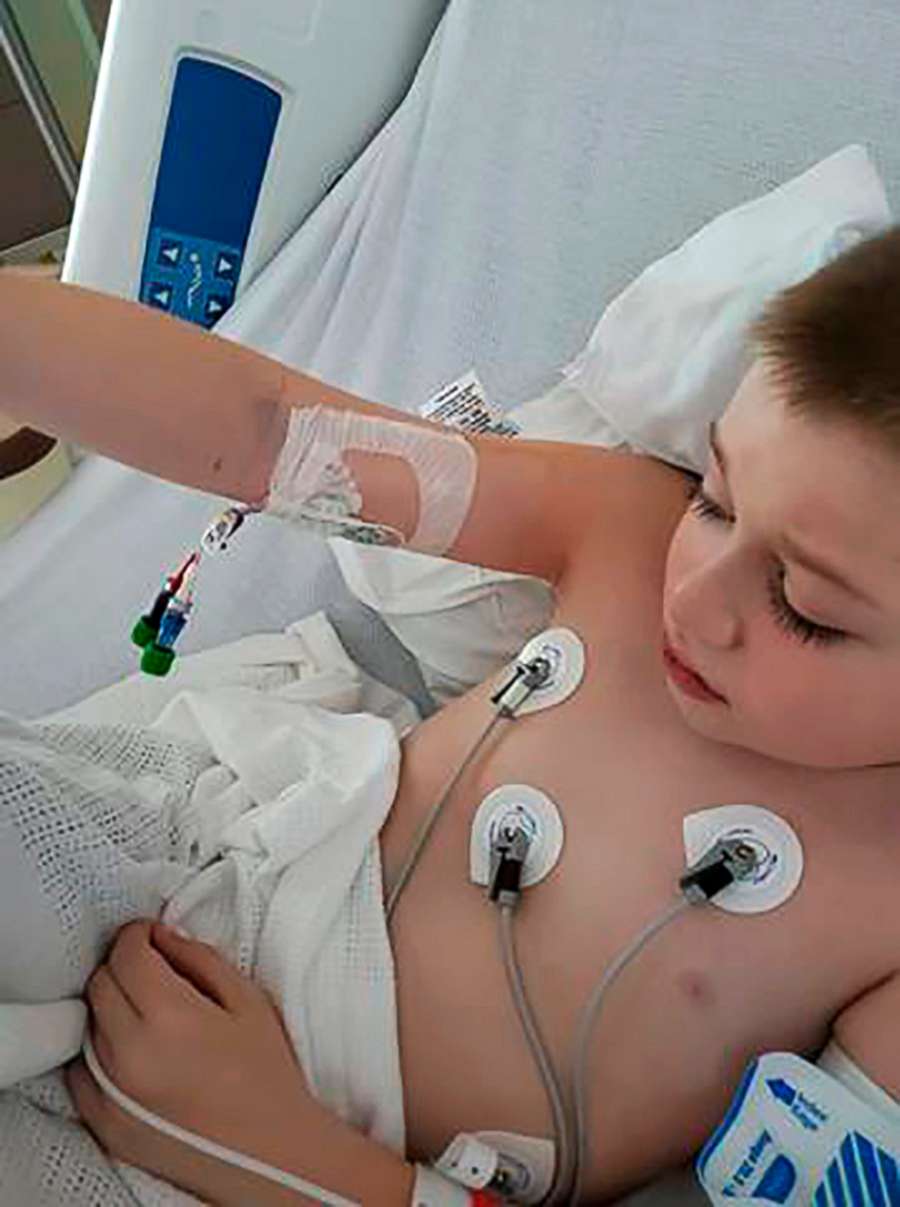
790	620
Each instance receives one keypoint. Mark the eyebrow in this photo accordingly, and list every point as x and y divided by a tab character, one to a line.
794	552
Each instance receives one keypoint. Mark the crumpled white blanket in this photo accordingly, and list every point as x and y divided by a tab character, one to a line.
295	788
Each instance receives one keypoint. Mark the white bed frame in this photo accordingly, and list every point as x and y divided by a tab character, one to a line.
328	73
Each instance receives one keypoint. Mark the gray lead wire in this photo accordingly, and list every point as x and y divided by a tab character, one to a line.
539	1052
527	678
431	820
586	1026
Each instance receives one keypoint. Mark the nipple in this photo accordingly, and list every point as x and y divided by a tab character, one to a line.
778	868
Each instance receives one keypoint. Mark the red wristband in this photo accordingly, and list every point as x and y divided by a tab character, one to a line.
483	1198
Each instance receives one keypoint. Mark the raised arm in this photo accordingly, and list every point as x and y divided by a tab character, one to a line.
137	386
188	406
868	1030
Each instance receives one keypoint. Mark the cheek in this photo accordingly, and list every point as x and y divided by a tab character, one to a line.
806	709
675	557
774	681
781	682
771	676
689	548
792	699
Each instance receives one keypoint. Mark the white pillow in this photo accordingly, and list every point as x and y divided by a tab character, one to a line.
664	359
669	352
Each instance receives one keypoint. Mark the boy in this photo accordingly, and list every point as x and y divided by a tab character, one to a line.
776	585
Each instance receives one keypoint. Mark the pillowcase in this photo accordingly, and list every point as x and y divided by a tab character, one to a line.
664	359
669	352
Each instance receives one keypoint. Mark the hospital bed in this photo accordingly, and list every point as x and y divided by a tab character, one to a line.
390	235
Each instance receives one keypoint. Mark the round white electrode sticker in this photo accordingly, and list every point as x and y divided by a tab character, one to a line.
779	868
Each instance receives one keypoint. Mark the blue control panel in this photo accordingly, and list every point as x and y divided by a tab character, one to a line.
217	145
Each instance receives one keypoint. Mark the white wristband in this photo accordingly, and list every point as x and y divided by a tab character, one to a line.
432	1189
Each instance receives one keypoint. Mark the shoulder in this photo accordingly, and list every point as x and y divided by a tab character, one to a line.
869	1032
640	468
631	505
649	494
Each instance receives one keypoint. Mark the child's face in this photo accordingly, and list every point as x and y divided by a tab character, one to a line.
824	700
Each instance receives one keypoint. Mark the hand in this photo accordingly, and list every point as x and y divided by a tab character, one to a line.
184	1034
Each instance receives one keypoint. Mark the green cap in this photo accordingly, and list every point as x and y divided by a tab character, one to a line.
156	660
143	632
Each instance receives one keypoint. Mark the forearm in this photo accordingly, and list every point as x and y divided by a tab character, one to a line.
868	1029
165	396
139	386
329	1153
183	404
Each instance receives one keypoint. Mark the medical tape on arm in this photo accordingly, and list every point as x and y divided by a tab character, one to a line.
311	480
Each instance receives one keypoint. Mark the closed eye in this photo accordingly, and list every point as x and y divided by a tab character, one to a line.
790	620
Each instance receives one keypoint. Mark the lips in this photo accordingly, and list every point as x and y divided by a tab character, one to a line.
678	658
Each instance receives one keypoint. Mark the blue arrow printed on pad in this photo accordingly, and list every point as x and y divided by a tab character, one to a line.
781	1090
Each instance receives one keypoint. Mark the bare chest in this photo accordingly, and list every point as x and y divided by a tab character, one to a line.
716	988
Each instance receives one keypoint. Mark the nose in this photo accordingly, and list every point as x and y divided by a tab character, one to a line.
700	604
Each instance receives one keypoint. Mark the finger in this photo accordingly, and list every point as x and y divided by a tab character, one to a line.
145	975
114	1018
130	967
207	969
156	969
